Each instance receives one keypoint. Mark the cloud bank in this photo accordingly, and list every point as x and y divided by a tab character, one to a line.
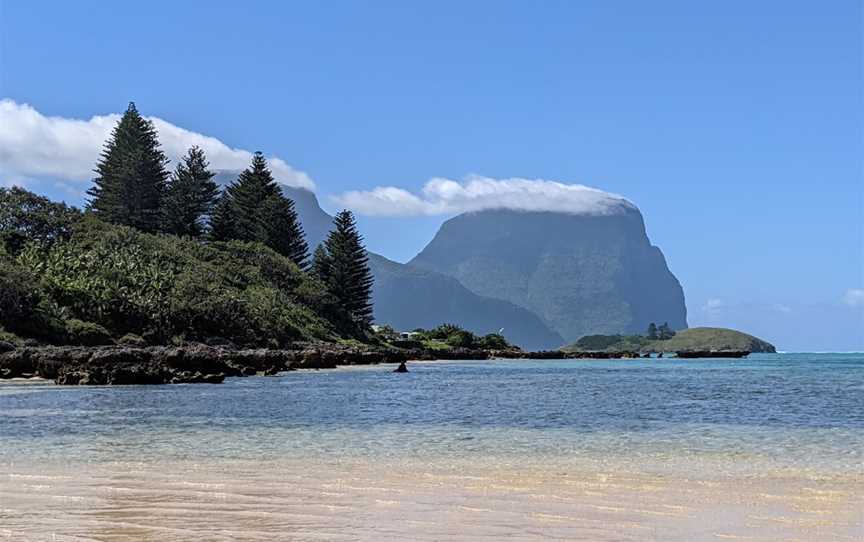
35	146
854	297
475	193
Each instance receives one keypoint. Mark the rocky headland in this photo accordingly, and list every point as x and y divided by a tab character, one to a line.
199	363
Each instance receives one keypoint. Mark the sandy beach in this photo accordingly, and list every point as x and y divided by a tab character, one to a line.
296	500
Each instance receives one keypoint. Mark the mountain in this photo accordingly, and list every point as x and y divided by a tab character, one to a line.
407	297
583	274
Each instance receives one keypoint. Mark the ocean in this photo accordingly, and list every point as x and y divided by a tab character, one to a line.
769	447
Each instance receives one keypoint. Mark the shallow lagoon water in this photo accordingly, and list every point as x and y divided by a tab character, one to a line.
765	448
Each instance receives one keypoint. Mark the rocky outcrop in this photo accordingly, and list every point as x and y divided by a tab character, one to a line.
119	365
198	363
693	354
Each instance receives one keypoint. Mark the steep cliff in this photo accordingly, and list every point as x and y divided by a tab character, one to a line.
581	273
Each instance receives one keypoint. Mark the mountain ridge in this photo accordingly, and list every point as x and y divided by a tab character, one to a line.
583	274
408	297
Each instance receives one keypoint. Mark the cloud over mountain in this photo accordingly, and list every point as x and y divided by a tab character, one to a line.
854	297
476	193
35	146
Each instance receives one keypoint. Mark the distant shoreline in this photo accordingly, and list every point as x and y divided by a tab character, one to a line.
198	363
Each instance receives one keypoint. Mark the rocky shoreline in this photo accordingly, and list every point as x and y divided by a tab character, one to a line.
199	363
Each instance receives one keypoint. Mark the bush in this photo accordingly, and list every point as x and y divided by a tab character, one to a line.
493	341
444	331
598	342
24	217
25	310
87	333
130	339
19	294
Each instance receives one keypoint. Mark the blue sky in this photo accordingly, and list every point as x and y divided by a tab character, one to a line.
736	127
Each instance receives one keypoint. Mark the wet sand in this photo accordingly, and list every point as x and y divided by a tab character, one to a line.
363	500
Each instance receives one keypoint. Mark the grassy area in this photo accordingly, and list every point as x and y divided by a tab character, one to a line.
712	338
694	339
8	337
434	344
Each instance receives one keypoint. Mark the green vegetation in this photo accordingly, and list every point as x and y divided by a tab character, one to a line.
609	343
342	264
253	208
131	175
694	339
114	280
445	337
24	217
136	268
713	338
190	196
661	333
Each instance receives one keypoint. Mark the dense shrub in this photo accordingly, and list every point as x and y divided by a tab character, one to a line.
161	287
443	331
24	309
130	339
461	339
24	217
87	333
19	293
493	341
598	342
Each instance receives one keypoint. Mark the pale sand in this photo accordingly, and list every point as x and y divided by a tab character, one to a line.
411	500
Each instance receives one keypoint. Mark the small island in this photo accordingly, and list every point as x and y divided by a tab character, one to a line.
688	343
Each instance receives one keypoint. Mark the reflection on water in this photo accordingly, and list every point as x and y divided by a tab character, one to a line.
768	448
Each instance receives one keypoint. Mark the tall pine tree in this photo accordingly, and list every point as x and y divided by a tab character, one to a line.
131	175
253	208
190	196
347	267
320	267
284	233
242	202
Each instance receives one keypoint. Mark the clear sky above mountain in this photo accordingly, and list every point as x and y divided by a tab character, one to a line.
736	127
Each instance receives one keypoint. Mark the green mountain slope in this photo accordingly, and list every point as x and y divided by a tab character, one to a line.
582	274
712	338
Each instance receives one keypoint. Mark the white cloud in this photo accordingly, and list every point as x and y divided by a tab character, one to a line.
854	297
34	146
714	306
476	193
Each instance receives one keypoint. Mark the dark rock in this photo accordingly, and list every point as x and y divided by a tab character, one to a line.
6	346
691	354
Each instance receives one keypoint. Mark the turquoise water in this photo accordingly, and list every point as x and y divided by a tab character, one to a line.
801	411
